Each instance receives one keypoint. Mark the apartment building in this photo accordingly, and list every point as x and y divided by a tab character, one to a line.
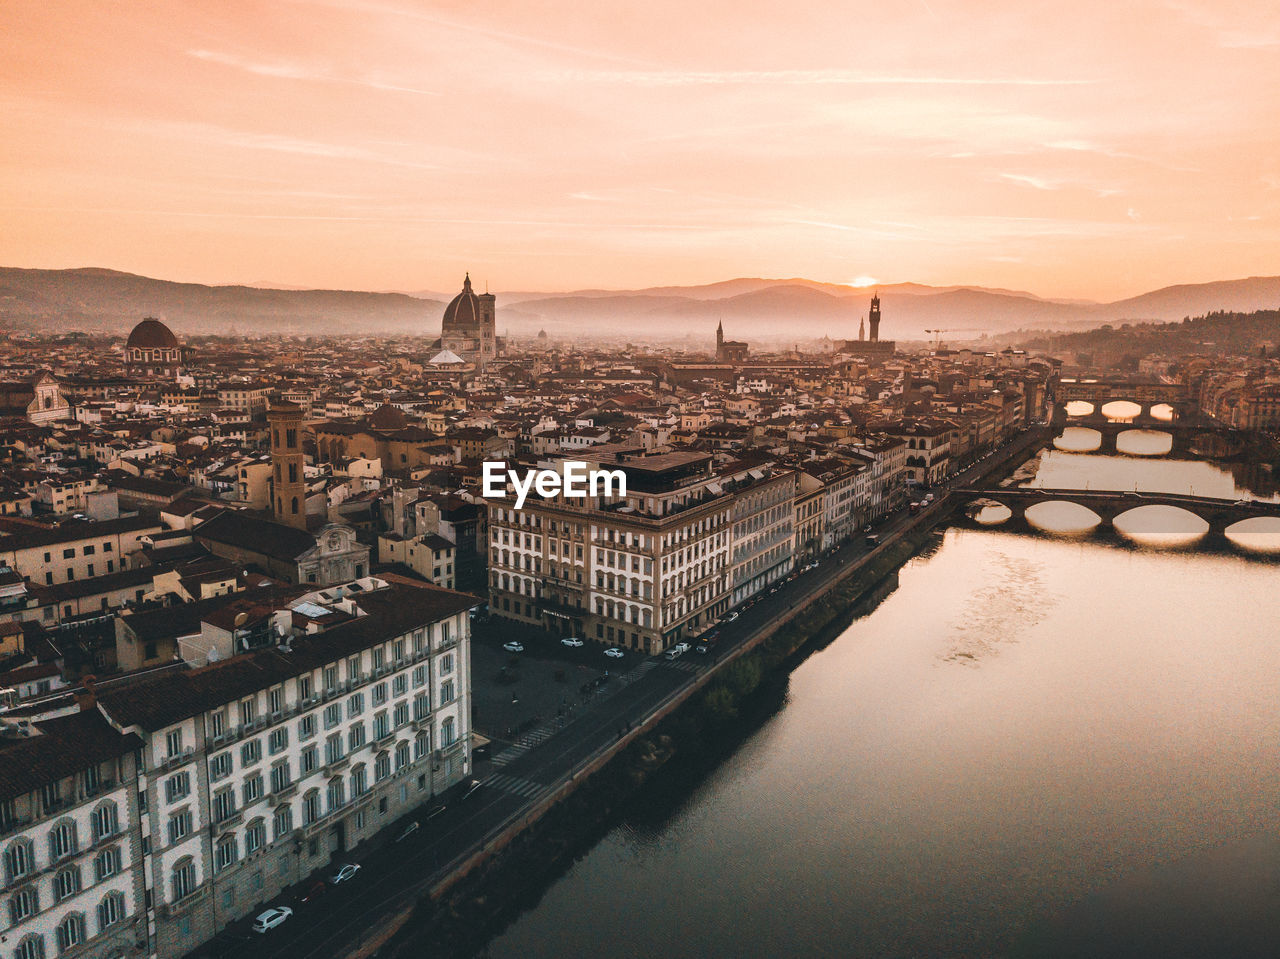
73	550
71	846
350	707
642	571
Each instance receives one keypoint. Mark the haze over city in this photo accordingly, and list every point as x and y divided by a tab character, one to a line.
1087	150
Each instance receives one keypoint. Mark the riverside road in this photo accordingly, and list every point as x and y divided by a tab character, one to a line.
350	919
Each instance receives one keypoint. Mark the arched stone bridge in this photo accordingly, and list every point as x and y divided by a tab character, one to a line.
1099	393
1186	433
1108	504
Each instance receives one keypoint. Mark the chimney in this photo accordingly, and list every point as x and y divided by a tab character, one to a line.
86	695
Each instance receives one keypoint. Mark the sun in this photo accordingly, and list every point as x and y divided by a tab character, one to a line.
863	281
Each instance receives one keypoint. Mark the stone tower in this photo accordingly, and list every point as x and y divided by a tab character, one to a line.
875	318
720	340
289	491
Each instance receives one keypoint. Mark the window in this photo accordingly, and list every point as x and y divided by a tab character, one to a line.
50	796
70	932
66	883
106	821
307	727
333	748
282	822
379	694
278	742
400	685
355	737
446	692
226	853
275	700
355	705
248	712
31	947
24	904
220	766
359	780
18	859
252	789
382	767
421	744
179	825
353	669
224	804
402	755
447	734
280	777
311	807
184	878
173	742
310	759
92	780
62	840
106	863
111	910
337	794
381	727
332	715
251	752
420	676
304	687
401	714
421	706
255	837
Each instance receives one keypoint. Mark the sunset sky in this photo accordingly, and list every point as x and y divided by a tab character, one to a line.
1090	149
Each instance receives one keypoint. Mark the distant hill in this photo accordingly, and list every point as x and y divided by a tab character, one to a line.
93	298
752	308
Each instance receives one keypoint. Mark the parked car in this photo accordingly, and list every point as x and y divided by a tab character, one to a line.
673	653
513	647
271	918
613	651
346	872
571	641
682	647
731	617
702	648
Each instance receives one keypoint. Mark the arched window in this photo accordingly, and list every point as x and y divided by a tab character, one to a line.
66	883
31	947
294	506
255	837
184	878
227	852
359	780
70	932
402	754
447	734
106	821
24	904
382	766
62	839
421	745
111	910
311	807
337	793
19	859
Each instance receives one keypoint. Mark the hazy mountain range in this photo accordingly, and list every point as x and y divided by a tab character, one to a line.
751	308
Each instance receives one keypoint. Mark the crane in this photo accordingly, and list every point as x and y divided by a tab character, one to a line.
937	337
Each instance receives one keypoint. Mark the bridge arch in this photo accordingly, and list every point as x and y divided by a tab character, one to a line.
1062	516
1258	534
1161	524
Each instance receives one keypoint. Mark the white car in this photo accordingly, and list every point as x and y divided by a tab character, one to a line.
513	647
346	872
572	641
271	918
731	617
613	651
682	647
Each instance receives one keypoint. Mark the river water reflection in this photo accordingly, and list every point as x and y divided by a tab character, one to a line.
1032	747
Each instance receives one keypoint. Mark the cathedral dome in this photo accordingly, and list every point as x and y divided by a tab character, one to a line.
463	311
151	334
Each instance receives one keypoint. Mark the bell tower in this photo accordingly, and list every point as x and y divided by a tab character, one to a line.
288	490
875	318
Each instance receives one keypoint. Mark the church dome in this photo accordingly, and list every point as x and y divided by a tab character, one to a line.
151	334
463	311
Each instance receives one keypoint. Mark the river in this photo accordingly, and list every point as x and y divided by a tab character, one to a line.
1032	747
